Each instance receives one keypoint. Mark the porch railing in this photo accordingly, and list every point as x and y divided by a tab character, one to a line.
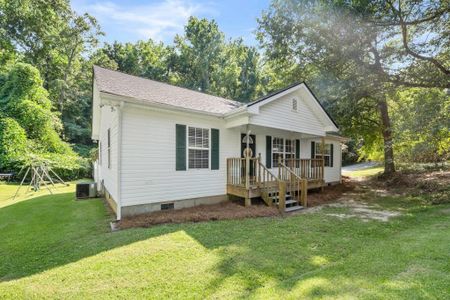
306	168
237	171
310	169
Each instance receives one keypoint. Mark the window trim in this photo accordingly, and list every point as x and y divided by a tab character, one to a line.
198	148
284	152
318	154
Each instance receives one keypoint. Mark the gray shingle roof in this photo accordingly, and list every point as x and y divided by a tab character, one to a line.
121	84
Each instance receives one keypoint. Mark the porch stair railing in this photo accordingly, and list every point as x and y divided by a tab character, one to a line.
296	187
269	186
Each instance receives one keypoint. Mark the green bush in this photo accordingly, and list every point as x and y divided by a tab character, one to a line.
29	129
69	166
13	144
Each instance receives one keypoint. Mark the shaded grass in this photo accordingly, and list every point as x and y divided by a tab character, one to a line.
368	172
56	247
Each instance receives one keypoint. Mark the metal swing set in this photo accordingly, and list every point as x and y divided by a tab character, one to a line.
40	175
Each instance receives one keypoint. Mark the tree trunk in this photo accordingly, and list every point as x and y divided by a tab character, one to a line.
389	166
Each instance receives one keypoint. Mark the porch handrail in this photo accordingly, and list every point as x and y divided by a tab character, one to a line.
260	176
309	168
295	183
269	183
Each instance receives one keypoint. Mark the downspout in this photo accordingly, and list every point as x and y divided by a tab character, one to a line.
119	160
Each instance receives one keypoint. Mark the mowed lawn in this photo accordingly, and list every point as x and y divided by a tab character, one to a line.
56	247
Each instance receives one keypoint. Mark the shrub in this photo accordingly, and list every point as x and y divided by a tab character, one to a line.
13	145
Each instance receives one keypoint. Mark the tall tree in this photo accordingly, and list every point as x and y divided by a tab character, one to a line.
52	37
198	53
238	74
143	58
363	46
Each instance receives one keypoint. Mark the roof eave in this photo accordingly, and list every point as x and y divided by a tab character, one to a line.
159	105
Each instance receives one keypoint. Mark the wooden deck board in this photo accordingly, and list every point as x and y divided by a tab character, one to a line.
240	191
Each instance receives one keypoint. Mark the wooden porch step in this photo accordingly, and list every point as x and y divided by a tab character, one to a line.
293	208
289	202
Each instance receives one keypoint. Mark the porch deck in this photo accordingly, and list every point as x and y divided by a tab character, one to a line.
248	178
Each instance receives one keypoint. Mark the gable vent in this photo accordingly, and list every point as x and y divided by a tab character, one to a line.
294	104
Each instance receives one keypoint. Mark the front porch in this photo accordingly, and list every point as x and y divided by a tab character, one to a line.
287	189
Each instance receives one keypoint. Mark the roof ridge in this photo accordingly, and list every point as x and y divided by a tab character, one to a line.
171	85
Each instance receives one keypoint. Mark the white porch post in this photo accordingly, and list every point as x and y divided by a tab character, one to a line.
247	168
323	163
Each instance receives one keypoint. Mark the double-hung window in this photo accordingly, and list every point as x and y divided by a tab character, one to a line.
290	150
277	150
198	148
326	153
283	148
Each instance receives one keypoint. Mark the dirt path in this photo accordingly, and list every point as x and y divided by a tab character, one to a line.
353	201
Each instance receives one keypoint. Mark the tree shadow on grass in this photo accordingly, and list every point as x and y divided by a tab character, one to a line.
303	252
318	255
53	230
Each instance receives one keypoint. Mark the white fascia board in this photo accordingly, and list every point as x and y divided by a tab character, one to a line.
236	121
341	139
235	112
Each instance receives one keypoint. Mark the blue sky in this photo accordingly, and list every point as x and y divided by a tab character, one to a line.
129	21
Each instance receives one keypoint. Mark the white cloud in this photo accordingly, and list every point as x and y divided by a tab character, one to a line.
159	21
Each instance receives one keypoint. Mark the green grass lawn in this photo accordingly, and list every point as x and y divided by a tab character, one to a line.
56	247
372	171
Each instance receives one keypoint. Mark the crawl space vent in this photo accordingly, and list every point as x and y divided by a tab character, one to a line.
167	206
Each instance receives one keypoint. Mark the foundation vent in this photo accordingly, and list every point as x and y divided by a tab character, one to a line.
167	206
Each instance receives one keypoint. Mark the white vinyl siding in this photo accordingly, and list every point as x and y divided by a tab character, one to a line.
107	170
148	157
279	114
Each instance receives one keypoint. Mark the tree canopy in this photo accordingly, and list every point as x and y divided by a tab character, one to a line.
360	53
381	68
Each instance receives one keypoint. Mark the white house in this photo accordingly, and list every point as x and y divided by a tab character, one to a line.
164	147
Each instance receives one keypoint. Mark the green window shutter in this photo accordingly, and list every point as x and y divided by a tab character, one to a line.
268	151
180	147
214	149
313	149
297	149
331	155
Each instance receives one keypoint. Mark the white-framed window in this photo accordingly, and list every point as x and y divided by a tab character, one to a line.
289	152
283	148
326	153
109	148
294	104
198	148
277	150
